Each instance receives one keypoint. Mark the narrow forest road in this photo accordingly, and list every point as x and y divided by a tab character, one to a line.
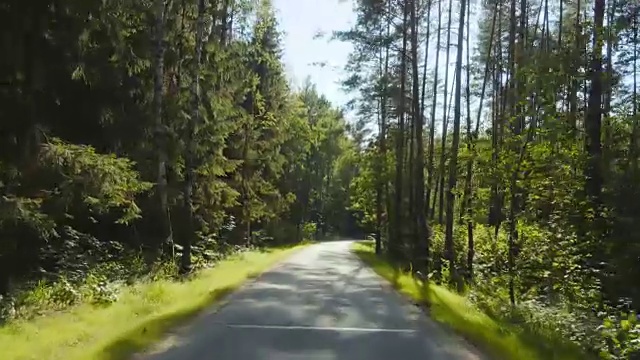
322	303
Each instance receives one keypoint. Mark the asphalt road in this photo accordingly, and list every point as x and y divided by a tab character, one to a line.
322	303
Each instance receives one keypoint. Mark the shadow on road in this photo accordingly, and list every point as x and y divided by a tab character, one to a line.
321	304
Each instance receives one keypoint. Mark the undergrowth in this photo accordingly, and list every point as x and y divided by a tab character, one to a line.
497	337
97	284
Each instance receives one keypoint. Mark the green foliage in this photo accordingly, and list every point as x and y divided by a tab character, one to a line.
363	190
544	182
101	182
309	231
93	118
621	336
114	328
500	338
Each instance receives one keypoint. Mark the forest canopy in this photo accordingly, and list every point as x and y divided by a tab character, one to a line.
161	129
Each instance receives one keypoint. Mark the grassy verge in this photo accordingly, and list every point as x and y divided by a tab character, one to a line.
140	317
498	340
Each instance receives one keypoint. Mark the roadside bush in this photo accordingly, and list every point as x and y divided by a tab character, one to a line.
553	304
309	231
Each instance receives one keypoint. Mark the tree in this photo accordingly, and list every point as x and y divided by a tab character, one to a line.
549	164
453	162
120	138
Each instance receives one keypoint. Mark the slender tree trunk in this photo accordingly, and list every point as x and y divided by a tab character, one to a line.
425	211
410	183
609	90
421	241
224	28
432	126
445	121
426	59
398	241
385	120
635	64
547	30
469	136
560	24
161	130
593	121
513	106
380	183
495	202
453	162
472	149
191	141
435	198
573	90
379	165
468	189
382	189
411	143
245	189
633	143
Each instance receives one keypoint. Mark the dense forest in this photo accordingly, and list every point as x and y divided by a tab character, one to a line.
502	161
161	131
506	161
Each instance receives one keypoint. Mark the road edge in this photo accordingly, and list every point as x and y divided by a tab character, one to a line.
421	308
165	342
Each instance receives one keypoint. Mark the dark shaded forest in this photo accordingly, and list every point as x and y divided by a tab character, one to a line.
140	133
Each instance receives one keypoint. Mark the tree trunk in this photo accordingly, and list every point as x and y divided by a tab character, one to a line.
224	23
379	183
191	141
398	240
453	161
573	89
495	202
445	121
432	126
633	143
560	24
421	241
472	138
385	119
161	130
593	121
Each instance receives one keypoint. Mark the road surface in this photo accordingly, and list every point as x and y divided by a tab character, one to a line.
322	303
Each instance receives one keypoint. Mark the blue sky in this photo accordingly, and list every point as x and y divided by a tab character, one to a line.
300	20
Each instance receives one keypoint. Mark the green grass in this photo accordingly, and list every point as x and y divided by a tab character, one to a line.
142	315
498	340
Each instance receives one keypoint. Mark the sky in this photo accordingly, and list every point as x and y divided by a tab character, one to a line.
301	20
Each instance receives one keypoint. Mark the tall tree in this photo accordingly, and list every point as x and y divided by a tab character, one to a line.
453	161
161	10
432	125
421	241
445	120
